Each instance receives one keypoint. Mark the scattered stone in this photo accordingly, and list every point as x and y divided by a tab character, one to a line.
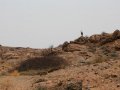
118	85
60	83
114	76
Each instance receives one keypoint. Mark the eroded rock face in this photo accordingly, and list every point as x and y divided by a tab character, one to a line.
117	44
81	40
101	38
65	44
75	47
95	38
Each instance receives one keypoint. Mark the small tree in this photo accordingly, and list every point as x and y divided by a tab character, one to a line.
47	52
51	48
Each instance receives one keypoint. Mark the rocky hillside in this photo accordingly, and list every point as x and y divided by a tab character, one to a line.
87	63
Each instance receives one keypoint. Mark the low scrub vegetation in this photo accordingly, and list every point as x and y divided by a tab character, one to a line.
100	59
42	65
15	73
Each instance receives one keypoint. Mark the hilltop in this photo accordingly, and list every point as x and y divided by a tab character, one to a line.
93	62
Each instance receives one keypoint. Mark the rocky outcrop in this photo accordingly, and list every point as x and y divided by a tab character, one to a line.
105	37
81	40
95	38
116	35
74	47
65	44
117	44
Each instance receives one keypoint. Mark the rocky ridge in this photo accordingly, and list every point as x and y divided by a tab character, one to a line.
85	63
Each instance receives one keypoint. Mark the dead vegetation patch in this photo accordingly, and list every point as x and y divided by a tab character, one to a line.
42	65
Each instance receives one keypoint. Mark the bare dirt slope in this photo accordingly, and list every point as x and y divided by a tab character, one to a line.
87	63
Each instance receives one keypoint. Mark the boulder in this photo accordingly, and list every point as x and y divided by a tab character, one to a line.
116	34
65	44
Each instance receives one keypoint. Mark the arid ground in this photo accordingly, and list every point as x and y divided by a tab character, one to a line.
87	63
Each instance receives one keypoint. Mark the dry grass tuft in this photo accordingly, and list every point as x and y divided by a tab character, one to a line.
100	59
15	73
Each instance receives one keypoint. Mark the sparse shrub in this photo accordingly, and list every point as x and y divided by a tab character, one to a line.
48	52
105	50
100	59
70	86
51	47
74	86
92	47
114	54
15	73
106	40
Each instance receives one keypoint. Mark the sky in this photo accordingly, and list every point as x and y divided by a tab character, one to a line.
42	23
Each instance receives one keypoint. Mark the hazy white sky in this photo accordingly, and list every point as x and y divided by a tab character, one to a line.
41	23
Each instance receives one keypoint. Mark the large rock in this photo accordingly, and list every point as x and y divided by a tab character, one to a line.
65	44
116	34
